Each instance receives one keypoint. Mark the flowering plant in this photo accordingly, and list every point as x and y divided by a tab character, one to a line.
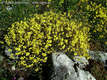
32	40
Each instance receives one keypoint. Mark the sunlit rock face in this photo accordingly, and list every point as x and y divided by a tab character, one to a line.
82	61
66	69
63	67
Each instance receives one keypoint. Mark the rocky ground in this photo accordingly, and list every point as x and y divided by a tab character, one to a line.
62	68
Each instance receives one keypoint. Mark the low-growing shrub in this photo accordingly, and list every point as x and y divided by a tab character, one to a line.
96	13
32	40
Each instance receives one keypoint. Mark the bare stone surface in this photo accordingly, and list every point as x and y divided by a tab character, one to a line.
64	69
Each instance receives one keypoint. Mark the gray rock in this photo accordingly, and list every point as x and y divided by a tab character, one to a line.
13	68
82	61
84	75
64	68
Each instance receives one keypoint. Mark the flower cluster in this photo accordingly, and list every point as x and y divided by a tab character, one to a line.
97	17
32	40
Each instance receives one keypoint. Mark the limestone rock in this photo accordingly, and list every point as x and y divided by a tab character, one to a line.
64	68
82	61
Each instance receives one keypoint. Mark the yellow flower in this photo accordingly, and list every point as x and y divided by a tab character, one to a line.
1	42
35	60
85	54
66	41
18	53
43	54
37	69
49	41
22	58
63	47
27	54
45	59
106	42
88	57
31	58
75	54
12	56
18	49
9	50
